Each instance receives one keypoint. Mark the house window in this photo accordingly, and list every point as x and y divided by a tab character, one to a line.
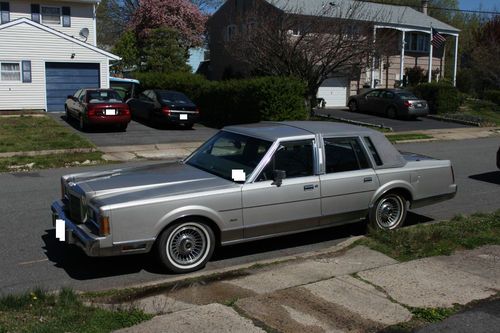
417	42
4	12
10	71
51	15
230	32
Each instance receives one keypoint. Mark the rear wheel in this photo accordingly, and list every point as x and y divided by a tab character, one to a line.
391	112
353	106
185	246
389	212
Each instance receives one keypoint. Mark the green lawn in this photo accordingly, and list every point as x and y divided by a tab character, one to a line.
27	163
34	133
488	111
442	238
410	136
39	312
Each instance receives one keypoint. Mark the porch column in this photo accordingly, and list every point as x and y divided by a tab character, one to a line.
372	79
430	57
455	63
402	60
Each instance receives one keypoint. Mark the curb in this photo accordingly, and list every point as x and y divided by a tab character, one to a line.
452	120
354	122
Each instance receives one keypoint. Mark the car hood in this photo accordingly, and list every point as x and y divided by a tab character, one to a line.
155	181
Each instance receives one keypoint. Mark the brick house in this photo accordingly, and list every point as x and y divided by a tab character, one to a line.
408	46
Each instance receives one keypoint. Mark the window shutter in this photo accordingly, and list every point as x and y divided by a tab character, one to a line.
66	16
26	71
5	12
35	13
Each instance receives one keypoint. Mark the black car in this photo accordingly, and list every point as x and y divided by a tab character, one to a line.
164	105
393	103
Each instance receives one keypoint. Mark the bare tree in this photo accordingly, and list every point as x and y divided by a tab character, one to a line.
312	45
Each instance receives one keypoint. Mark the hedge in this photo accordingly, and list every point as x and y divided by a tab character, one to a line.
236	101
442	97
493	96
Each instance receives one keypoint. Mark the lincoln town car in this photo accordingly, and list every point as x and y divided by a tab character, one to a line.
246	183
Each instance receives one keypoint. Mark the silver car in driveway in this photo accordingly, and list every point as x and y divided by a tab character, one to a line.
249	182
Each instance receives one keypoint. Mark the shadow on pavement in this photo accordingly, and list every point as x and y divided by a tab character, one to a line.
160	124
80	267
94	129
489	177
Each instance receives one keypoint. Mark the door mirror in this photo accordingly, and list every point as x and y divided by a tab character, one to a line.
278	176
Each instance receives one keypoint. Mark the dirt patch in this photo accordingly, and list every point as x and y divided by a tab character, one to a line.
217	292
298	310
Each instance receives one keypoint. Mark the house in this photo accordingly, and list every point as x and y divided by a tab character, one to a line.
48	51
406	32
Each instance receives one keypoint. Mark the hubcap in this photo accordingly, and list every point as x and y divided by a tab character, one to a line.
187	245
389	212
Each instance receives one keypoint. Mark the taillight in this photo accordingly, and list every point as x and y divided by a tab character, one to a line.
165	110
91	110
104	229
407	103
125	111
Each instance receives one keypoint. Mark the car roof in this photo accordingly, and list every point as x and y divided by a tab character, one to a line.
272	131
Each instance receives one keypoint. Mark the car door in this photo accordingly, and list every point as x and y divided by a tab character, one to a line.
349	181
70	103
295	204
371	101
386	100
80	103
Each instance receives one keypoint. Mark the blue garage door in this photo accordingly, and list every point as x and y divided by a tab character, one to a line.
65	79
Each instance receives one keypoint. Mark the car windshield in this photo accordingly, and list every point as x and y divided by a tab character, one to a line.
228	151
103	96
174	97
406	95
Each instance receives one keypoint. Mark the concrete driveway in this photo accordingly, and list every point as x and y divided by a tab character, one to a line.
138	133
398	125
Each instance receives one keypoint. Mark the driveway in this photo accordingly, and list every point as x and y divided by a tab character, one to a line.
138	133
397	125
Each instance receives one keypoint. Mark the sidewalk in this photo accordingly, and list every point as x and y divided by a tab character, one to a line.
354	290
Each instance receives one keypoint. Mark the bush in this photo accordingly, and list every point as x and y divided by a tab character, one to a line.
236	101
493	96
442	97
415	75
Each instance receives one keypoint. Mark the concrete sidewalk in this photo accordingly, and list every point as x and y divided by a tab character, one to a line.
355	290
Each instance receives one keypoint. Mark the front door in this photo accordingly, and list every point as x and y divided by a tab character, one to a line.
295	204
349	181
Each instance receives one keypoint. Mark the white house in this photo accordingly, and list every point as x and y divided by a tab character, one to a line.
48	51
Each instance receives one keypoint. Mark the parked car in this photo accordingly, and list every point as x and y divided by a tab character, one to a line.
126	88
97	107
165	105
393	103
249	182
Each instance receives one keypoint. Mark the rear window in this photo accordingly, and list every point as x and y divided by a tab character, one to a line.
106	96
406	95
373	151
174	97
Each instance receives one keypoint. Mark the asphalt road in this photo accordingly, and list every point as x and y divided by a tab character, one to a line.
398	125
138	133
31	256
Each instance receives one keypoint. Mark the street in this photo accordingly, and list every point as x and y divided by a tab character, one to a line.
32	257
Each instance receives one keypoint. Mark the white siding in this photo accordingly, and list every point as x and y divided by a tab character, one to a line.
82	16
25	42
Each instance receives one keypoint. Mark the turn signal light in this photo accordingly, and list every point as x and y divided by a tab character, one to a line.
104	226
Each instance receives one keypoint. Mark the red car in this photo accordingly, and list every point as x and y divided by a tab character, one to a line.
97	107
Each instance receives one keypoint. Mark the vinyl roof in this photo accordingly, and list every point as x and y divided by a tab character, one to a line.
403	16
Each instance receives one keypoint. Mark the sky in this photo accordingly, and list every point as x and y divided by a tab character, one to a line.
488	5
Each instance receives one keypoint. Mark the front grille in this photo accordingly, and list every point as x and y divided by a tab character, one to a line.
75	209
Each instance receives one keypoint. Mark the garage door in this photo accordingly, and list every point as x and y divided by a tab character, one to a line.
64	79
334	91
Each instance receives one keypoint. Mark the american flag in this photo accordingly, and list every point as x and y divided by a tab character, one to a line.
437	39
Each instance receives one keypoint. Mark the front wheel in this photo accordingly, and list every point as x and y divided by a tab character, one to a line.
392	112
186	246
389	212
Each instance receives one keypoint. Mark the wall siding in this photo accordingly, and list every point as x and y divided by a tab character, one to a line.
24	42
82	16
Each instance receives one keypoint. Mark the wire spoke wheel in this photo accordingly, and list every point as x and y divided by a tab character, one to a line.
389	212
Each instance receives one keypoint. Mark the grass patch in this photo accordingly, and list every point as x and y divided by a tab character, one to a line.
483	112
433	315
442	238
34	133
28	163
410	136
39	312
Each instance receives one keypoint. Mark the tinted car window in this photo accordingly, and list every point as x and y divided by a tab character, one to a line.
100	96
174	97
295	158
388	95
374	93
373	151
406	95
344	154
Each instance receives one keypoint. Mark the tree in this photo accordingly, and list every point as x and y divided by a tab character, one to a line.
163	53
309	46
109	23
486	53
127	48
180	15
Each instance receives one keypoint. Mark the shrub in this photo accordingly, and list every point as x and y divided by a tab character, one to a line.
415	75
493	96
442	97
236	101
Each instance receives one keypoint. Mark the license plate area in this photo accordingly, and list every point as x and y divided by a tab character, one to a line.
183	116
110	112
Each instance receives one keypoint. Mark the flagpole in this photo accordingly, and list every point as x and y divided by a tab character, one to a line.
430	57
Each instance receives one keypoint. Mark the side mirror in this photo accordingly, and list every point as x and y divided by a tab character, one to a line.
278	176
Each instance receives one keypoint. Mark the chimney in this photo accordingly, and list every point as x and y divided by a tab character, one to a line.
425	5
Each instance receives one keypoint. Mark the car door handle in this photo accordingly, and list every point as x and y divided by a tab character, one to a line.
308	187
367	179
